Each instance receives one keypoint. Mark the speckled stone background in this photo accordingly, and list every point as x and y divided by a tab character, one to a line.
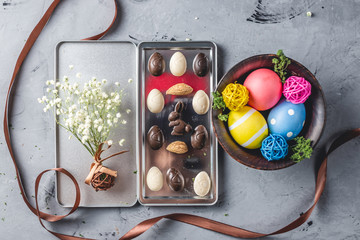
326	43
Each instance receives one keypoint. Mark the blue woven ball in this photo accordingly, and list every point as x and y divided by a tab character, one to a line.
274	147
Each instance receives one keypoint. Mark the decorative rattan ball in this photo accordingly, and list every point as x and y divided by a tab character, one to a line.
296	89
274	147
235	96
102	181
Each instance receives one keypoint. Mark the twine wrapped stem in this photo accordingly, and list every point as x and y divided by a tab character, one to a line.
100	177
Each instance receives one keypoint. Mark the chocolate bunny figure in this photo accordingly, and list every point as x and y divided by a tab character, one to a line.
179	126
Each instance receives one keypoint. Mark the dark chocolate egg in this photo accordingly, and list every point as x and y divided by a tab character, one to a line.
175	179
156	64
155	137
199	136
201	65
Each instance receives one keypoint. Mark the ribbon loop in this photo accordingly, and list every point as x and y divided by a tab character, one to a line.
24	52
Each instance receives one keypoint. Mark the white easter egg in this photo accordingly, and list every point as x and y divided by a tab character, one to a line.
155	101
200	102
177	64
202	184
154	179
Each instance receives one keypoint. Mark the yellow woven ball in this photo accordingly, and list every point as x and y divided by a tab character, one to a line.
235	96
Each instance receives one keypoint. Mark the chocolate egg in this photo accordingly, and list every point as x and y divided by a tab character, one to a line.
200	102
175	179
155	101
156	64
154	179
199	136
155	137
202	184
178	64
201	65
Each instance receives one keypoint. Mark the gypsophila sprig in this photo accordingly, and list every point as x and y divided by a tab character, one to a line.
87	112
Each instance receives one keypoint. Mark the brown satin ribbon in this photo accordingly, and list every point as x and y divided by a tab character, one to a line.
97	166
24	52
145	225
243	233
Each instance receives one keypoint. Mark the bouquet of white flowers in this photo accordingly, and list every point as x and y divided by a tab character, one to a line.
88	113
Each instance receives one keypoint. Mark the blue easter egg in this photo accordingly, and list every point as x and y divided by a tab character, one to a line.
287	119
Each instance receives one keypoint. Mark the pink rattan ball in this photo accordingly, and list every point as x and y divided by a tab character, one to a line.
296	89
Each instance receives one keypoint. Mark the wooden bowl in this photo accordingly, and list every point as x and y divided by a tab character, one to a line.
315	112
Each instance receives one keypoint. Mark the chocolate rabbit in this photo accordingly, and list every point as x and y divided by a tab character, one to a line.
179	126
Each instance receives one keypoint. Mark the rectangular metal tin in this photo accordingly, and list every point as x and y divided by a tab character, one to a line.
114	61
166	197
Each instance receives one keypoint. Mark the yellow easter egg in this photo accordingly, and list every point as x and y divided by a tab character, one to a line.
248	127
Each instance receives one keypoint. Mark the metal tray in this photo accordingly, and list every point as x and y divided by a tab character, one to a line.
207	157
120	61
114	61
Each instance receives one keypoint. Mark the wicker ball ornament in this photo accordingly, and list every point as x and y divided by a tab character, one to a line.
102	181
274	147
296	89
100	177
235	96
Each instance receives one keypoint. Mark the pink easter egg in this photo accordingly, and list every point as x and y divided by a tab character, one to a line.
265	89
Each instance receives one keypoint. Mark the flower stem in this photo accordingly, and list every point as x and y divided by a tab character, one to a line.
75	135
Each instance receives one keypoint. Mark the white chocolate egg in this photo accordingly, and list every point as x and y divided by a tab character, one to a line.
155	101
202	184
178	64
154	179
200	102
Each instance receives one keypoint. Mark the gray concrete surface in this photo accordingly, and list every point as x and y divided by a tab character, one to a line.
326	43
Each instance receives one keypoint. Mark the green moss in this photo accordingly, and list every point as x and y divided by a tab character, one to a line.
301	149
